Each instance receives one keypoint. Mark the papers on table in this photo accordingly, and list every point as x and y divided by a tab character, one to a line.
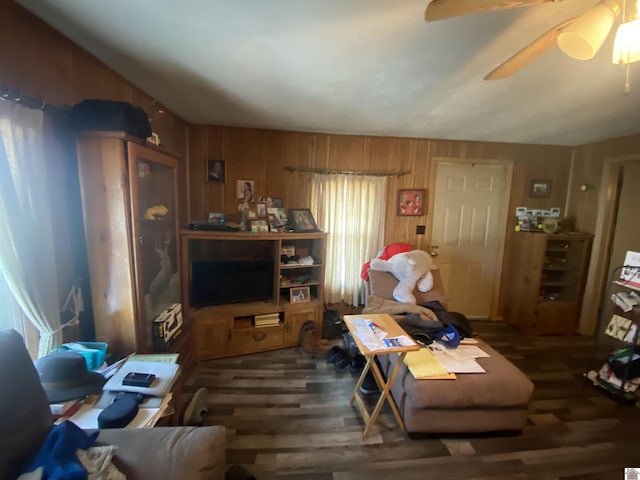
87	416
376	339
424	365
439	362
165	373
158	395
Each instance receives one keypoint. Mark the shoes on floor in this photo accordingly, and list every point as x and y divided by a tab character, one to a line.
357	363
369	384
238	472
333	353
311	342
197	406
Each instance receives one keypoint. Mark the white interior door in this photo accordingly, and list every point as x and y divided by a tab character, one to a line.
468	223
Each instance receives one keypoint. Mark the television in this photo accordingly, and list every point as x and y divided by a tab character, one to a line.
230	281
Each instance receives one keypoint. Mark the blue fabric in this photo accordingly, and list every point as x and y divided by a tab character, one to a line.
58	453
449	337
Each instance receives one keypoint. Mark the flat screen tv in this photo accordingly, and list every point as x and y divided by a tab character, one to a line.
232	281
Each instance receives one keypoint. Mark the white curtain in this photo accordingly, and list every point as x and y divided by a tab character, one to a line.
351	209
27	255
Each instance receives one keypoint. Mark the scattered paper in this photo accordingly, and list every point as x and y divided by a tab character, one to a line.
424	365
370	335
459	360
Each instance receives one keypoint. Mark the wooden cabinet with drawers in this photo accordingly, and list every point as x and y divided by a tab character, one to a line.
545	284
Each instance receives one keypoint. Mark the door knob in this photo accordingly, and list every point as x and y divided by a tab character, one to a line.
433	250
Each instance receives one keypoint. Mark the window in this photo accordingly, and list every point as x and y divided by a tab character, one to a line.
27	255
351	209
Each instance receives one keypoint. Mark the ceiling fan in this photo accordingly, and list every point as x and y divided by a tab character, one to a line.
579	37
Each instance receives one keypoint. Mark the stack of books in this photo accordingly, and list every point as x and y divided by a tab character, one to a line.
267	320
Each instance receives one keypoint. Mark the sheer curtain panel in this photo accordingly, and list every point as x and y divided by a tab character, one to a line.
27	256
351	209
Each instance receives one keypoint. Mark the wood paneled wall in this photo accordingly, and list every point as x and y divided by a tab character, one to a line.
588	167
36	61
262	155
593	213
39	62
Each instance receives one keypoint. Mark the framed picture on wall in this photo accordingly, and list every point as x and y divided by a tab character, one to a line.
215	171
244	191
540	188
412	202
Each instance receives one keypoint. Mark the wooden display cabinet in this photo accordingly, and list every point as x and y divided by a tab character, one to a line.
546	282
130	207
232	280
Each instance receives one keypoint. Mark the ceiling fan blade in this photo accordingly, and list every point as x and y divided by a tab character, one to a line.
529	53
441	9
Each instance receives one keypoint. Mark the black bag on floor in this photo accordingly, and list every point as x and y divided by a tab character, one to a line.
110	115
331	324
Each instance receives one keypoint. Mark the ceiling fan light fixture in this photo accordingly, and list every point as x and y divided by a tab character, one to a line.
626	47
584	37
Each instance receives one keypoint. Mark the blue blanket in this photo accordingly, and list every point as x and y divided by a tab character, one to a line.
58	453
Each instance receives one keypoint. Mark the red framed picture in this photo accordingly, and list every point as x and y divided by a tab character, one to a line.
412	202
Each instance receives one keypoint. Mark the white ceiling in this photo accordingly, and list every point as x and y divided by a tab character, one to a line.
371	67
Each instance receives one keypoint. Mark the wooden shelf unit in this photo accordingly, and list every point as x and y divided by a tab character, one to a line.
229	329
546	283
628	337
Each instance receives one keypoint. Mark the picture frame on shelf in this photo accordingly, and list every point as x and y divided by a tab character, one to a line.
277	218
215	218
540	188
412	202
299	295
261	209
216	171
259	226
301	219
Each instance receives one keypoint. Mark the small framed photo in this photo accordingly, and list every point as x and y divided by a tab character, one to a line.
540	188
252	212
302	220
261	209
244	191
259	226
412	202
217	218
299	295
215	171
277	218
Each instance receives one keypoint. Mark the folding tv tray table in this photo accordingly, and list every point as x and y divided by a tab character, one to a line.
386	323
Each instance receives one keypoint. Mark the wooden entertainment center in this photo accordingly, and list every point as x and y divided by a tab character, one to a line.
228	326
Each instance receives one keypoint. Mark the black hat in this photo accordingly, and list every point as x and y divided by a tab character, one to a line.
64	376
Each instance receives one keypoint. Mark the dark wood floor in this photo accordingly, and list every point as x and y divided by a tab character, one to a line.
288	416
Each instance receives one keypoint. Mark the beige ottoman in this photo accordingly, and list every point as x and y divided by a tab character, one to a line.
481	402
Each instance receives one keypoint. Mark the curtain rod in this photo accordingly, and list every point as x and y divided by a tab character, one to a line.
329	171
29	102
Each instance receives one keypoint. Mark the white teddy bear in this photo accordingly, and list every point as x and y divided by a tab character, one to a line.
412	269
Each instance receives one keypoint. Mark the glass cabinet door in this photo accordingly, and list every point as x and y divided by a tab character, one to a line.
154	207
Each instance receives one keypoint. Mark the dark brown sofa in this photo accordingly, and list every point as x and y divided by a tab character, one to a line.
158	453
